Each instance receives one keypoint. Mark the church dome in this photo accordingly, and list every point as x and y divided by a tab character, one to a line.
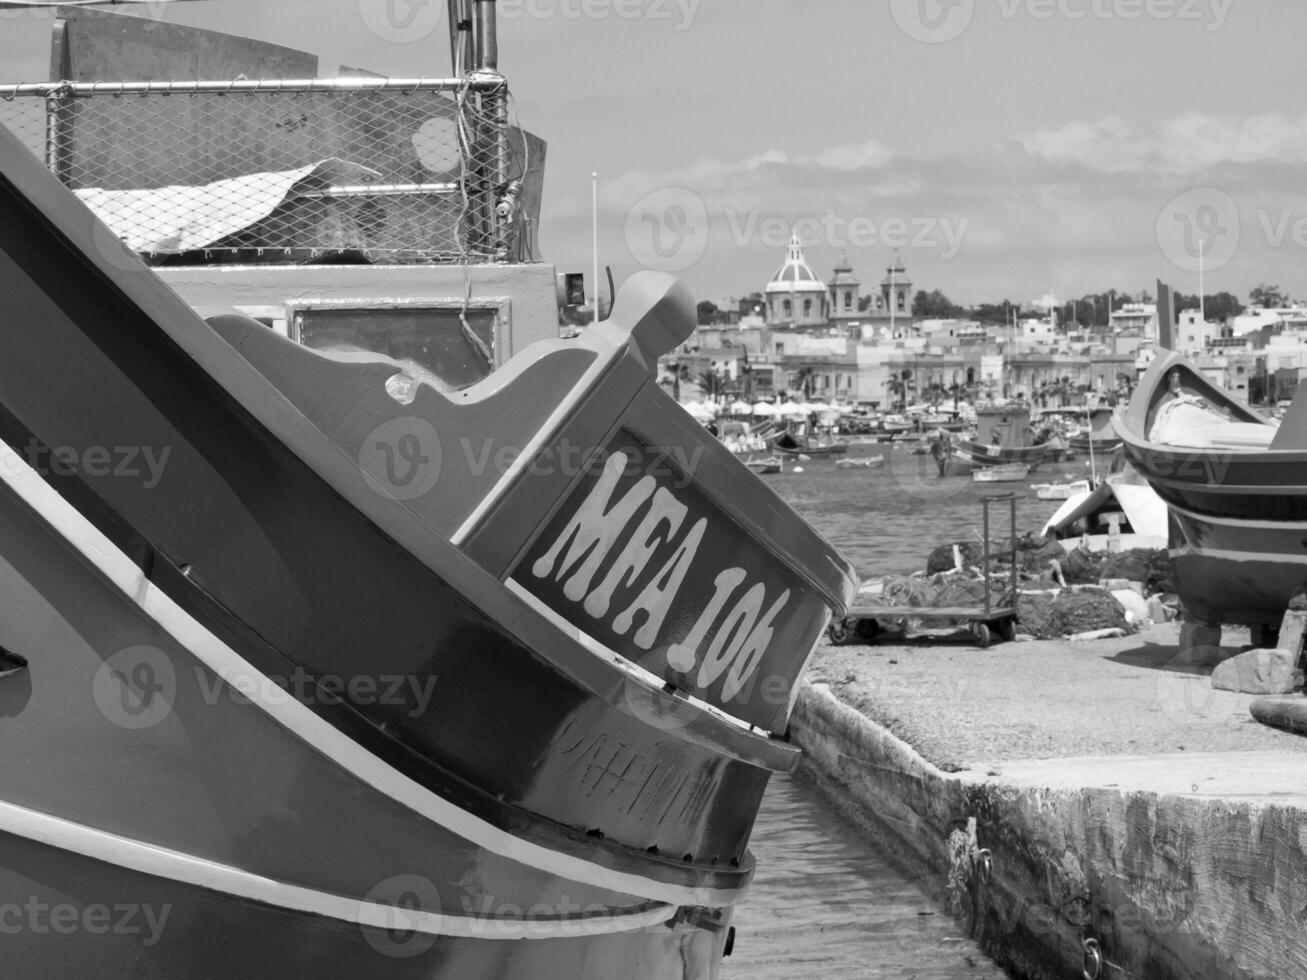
795	276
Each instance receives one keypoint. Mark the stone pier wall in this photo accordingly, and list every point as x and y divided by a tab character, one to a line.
1170	886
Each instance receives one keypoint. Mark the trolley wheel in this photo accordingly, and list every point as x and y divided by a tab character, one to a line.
839	631
868	629
1007	629
981	633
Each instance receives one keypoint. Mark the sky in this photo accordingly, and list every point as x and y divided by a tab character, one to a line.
1008	149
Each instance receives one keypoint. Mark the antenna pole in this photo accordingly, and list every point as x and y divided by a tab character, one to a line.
594	207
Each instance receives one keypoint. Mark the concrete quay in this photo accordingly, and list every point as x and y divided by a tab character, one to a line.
1085	809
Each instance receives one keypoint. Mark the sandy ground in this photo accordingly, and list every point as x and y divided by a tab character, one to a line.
961	706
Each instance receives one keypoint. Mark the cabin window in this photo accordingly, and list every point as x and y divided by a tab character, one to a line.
433	337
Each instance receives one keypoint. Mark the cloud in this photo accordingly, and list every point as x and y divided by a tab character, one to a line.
1187	144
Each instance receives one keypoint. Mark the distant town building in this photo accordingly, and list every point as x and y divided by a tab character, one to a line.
845	293
795	296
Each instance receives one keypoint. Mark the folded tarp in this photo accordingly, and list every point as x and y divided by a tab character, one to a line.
182	218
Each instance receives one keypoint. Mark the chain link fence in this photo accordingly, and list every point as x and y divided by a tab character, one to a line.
381	170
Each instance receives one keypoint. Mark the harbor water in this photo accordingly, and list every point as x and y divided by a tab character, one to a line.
887	520
827	901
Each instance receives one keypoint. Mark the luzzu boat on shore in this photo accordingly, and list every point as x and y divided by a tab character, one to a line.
322	663
1235	486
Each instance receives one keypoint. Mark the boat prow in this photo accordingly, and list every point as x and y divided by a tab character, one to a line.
349	670
1235	487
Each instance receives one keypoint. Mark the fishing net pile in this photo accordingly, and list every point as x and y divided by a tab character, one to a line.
1051	615
1151	567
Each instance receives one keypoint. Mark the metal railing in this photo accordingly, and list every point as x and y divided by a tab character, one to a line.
393	170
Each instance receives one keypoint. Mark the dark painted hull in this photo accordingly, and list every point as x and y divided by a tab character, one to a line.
838	449
1238	517
371	679
983	456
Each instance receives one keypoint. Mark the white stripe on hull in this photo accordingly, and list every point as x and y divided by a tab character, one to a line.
85	538
1295	526
161	862
1274	558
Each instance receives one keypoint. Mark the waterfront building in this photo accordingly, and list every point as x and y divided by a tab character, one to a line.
1136	318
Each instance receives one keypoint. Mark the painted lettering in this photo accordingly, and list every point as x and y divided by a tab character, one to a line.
593	530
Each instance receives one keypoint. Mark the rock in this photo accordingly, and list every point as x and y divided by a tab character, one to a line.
1258	672
1298	601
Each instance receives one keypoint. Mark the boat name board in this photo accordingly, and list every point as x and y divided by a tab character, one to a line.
651	569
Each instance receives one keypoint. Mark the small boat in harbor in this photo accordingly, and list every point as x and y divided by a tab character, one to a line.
1120	513
860	463
766	466
1060	491
300	666
1002	473
1002	436
1235	484
787	443
1098	441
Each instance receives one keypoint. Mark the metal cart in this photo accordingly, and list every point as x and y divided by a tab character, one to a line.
985	621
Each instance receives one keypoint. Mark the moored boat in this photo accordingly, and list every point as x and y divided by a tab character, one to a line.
399	660
1002	436
860	463
1235	485
787	443
766	466
1001	473
1060	491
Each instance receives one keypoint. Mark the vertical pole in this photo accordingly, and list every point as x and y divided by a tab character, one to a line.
984	507
594	231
